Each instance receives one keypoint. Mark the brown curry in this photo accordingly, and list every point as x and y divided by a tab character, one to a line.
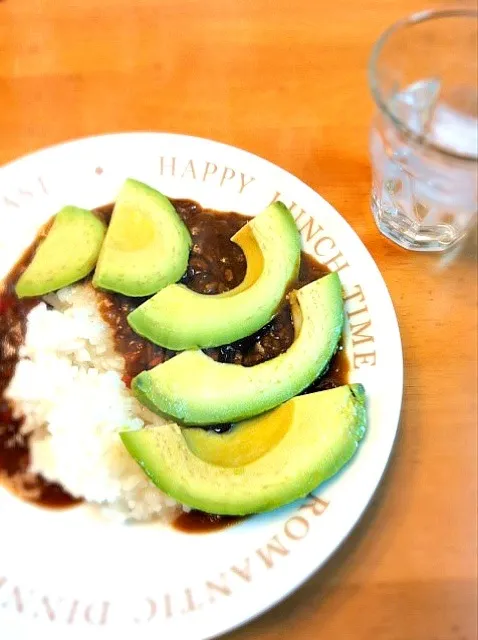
215	265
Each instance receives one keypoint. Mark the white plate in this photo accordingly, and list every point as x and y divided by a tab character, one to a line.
67	574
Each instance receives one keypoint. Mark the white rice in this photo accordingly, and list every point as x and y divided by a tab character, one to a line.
68	386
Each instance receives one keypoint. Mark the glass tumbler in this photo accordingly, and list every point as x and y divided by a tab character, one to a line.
424	137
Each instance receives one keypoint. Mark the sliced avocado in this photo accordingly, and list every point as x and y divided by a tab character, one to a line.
261	464
271	244
196	390
67	254
146	246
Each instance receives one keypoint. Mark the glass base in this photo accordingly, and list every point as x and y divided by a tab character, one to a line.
407	234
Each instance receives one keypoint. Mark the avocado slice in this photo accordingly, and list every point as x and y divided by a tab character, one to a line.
146	246
196	390
67	254
271	244
262	463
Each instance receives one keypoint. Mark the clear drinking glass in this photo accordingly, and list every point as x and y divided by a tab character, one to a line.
424	138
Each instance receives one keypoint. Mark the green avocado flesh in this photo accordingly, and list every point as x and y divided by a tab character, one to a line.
196	390
67	254
179	318
262	463
146	246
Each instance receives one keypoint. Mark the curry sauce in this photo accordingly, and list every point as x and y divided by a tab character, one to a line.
215	265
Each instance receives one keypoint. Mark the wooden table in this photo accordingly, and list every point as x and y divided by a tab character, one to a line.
287	80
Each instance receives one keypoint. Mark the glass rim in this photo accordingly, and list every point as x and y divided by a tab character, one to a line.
411	20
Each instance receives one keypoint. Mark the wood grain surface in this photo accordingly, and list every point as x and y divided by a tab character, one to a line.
287	80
